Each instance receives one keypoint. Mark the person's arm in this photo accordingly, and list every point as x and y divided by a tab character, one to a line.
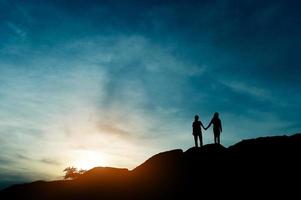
203	126
220	122
208	125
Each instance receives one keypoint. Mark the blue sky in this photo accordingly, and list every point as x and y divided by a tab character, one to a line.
110	83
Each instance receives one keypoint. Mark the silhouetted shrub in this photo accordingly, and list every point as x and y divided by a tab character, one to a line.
73	172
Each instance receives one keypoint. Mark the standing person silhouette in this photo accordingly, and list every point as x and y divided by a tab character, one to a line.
217	127
197	131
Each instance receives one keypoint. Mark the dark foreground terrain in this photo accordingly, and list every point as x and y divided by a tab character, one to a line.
257	168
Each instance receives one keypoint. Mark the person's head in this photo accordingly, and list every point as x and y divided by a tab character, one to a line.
196	117
215	115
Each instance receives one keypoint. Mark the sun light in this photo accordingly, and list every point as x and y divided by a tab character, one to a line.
87	159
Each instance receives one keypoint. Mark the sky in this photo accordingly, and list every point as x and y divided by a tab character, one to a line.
111	83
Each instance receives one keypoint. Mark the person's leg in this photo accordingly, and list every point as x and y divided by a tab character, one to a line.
195	140
215	139
201	140
218	139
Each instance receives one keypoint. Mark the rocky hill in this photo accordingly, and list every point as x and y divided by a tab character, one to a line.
264	167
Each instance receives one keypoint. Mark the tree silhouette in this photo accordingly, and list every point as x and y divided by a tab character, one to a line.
73	172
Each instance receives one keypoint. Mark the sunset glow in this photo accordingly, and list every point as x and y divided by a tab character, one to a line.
89	159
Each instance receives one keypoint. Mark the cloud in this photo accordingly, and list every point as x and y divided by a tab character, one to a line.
5	160
49	161
259	93
20	156
17	30
112	129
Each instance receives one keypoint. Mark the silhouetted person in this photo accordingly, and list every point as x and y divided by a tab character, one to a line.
217	127
197	131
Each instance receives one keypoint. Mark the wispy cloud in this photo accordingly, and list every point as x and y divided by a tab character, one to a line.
249	89
49	161
17	30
